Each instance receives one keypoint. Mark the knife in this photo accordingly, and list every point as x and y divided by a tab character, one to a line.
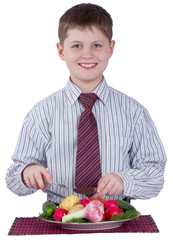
87	190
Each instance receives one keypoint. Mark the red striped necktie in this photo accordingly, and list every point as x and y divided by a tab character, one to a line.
88	169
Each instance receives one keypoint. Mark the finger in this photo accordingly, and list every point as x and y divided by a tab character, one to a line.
100	180
40	181
117	189
101	193
101	184
106	188
27	182
45	183
46	176
112	192
33	182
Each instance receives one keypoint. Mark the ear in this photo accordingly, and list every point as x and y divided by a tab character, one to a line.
112	45
60	50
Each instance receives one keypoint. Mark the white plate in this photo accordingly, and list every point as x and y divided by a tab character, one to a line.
91	226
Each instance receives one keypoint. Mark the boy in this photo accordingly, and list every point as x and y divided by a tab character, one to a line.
132	157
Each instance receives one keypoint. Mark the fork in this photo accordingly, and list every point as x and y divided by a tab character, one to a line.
62	186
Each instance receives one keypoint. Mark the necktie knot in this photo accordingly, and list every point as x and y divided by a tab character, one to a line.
88	99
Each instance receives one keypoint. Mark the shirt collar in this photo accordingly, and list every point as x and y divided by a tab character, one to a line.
73	92
102	91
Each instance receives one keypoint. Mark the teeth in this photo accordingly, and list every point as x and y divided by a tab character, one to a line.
87	65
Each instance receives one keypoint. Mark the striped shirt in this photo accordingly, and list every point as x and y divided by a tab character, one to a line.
128	139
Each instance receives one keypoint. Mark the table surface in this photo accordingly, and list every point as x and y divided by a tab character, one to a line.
35	226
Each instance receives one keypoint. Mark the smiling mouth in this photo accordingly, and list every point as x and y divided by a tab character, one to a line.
88	65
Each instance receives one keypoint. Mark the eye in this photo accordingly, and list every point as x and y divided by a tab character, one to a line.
77	46
96	45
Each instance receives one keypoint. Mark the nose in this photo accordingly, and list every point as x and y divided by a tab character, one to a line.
87	53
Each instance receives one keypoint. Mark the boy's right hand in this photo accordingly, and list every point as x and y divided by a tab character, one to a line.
36	176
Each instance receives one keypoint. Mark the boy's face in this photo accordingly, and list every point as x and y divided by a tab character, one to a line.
86	53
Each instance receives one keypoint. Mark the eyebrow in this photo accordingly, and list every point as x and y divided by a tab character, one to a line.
76	42
92	42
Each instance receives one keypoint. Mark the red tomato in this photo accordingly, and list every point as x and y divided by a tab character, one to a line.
110	203
112	212
102	200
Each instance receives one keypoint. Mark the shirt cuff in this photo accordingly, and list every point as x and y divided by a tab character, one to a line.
128	183
23	186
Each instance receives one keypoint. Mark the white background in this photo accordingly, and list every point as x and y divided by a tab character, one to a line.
142	67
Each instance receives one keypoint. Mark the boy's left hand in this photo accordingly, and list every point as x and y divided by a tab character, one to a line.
111	184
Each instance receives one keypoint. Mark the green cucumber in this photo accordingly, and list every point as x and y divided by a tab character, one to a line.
49	208
125	206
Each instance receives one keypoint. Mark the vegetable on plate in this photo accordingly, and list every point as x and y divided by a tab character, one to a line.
112	212
93	212
71	209
69	202
102	200
110	203
48	208
76	208
125	205
59	213
84	202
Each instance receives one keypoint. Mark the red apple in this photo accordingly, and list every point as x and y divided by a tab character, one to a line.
59	213
112	212
110	203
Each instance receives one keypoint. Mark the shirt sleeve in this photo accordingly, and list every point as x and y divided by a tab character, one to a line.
30	148
145	179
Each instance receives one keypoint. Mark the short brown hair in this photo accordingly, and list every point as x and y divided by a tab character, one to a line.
85	15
